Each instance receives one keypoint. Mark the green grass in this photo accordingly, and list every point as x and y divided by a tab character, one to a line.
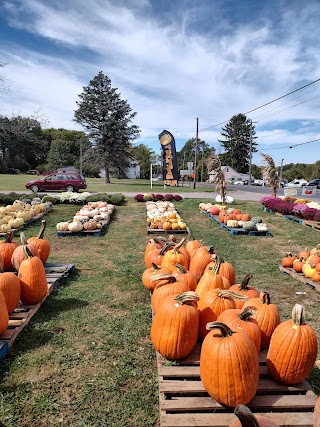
86	359
98	185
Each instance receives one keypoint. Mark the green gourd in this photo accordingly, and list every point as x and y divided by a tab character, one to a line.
249	226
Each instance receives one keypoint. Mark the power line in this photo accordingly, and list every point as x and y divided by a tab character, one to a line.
291	146
289	130
268	103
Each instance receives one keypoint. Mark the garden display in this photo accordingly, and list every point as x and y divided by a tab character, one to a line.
162	215
292	206
234	220
20	213
235	338
91	217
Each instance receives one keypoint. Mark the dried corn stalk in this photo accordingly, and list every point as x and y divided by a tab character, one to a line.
270	173
214	164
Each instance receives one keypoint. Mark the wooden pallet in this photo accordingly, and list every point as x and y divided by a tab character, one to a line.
301	277
184	401
293	219
238	230
22	315
161	231
312	224
315	225
96	233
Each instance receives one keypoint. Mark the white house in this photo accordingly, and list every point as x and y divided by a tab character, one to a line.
132	172
230	175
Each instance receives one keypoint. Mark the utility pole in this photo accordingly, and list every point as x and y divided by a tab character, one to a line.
195	156
281	173
250	152
202	166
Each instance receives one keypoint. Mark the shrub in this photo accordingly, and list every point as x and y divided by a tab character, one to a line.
168	197
317	215
51	199
309	213
116	199
157	197
177	198
8	199
138	197
148	197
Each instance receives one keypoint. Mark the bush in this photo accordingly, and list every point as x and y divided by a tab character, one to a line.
117	199
177	198
157	197
51	199
148	197
8	199
168	197
114	199
317	215
138	197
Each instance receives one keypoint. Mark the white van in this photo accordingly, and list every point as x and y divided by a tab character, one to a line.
296	183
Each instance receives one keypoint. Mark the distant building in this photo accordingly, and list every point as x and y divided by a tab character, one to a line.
65	169
132	172
230	174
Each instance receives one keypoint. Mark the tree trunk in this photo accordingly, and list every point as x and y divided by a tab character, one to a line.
106	168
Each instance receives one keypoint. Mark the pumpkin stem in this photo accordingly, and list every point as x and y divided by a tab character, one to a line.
27	251
164	249
177	246
153	243
42	228
233	295
264	297
214	270
299	315
246	314
155	267
160	239
181	268
186	297
23	239
9	237
245	416
244	283
224	329
289	254
1	271
172	238
169	277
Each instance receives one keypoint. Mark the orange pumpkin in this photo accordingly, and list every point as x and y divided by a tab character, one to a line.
304	254
288	260
19	254
244	289
174	329
151	272
192	245
266	314
229	366
10	286
167	285
41	243
235	318
175	256
247	419
183	275
298	264
4	316
152	245
199	260
293	349
211	280
224	268
7	247
33	281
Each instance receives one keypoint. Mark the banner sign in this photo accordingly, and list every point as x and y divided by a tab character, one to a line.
308	190
290	191
169	159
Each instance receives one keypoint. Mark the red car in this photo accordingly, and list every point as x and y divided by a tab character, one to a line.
58	181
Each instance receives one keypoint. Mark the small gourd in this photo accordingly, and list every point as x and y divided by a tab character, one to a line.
232	223
261	227
62	226
249	226
256	219
75	226
90	225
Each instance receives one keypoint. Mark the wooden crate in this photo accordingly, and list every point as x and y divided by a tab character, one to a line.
22	315
27	223
161	231
184	401
96	233
301	277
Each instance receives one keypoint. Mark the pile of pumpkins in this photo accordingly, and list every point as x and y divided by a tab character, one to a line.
29	285
306	262
14	216
163	215
89	217
234	218
195	296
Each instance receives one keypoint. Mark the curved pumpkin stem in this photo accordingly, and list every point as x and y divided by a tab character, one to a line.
169	277
181	268
178	245
223	328
155	267
264	297
244	283
299	315
27	251
245	416
246	314
214	270
186	297
23	239
164	249
42	228
9	237
233	295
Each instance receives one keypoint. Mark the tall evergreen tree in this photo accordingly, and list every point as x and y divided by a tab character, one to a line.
107	119
237	134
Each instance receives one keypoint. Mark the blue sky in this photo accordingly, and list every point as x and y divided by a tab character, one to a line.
173	61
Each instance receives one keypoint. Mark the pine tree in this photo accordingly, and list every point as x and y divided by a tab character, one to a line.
236	142
107	119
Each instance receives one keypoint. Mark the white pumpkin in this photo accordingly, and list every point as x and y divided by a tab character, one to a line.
62	226
75	226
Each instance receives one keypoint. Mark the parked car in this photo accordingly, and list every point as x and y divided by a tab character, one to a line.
58	181
258	182
315	182
238	183
297	183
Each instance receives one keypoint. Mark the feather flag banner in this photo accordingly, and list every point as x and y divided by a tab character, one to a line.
169	159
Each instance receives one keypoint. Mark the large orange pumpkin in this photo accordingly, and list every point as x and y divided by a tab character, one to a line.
174	256
183	275
229	366
211	280
266	314
192	245
247	419
174	329
7	246
33	281
19	254
151	272
4	316
293	349
10	286
152	245
244	289
166	285
287	261
235	318
199	260
224	268
41	243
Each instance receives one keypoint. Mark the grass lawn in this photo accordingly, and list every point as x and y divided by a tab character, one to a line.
98	185
86	359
